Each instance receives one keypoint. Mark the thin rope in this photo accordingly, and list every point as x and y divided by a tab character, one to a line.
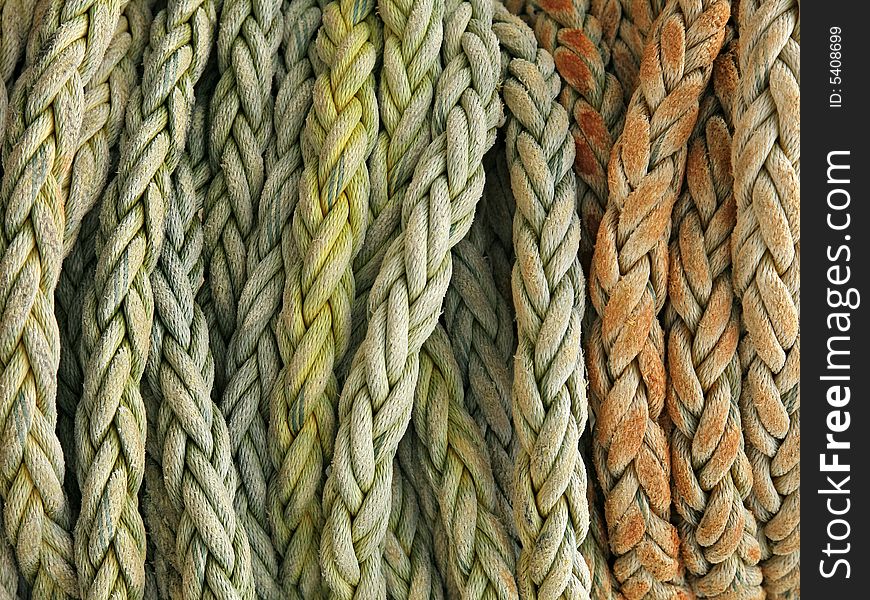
711	474
36	156
549	402
628	285
766	255
405	302
328	227
249	34
119	309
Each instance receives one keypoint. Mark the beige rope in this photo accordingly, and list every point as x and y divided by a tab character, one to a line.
766	256
628	286
711	474
8	572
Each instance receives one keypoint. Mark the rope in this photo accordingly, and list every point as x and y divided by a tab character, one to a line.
549	404
766	255
408	563
106	97
592	97
328	227
8	572
711	474
249	34
118	310
481	554
626	26
628	282
200	479
405	301
36	156
15	21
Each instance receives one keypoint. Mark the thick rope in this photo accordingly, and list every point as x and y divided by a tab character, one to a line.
628	285
8	572
405	301
592	96
255	344
626	25
46	109
711	474
106	97
329	224
549	401
200	479
249	33
481	558
766	255
118	310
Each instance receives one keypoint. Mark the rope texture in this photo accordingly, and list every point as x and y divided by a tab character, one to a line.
549	403
711	474
329	224
766	255
249	33
46	109
118	311
628	282
405	301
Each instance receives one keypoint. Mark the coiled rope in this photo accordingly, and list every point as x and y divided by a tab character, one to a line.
766	255
405	301
119	309
628	282
711	474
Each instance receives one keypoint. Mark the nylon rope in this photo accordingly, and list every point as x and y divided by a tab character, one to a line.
628	283
766	256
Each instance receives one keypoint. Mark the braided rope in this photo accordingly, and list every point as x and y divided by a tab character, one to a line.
106	97
211	548
628	282
626	25
408	563
118	310
42	133
766	255
405	301
249	33
711	474
592	97
8	572
549	403
161	518
328	227
481	558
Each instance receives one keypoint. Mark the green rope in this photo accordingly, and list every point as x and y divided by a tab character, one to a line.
405	301
118	310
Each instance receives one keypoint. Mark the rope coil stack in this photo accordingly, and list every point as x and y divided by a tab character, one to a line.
406	299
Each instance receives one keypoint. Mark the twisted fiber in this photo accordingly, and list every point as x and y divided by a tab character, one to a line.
249	34
413	32
8	572
481	558
161	518
549	403
45	118
479	323
711	474
255	348
499	206
106	97
105	100
592	97
200	479
405	301
409	568
15	20
118	310
626	25
766	255
328	226
628	282
254	353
